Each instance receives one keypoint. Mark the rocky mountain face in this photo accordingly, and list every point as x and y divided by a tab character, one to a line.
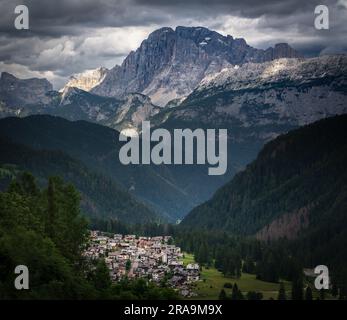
171	63
267	97
126	113
87	80
35	96
15	93
134	109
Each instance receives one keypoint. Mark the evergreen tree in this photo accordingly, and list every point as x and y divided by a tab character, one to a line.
252	295
297	288
248	266
308	293
28	184
236	294
101	276
322	294
222	295
282	292
128	265
334	290
51	210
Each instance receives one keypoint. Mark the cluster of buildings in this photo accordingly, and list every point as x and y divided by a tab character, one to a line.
152	258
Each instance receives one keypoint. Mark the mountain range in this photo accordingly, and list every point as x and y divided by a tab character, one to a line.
188	77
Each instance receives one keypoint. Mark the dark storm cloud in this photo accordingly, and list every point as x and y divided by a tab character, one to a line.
245	8
69	17
69	36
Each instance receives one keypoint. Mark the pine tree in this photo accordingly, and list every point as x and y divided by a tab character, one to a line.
297	289
308	293
334	290
51	210
234	293
282	292
128	265
101	278
28	184
238	268
322	294
222	295
253	295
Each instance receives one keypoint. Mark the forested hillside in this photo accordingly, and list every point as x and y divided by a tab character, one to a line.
296	189
302	169
44	230
97	147
101	197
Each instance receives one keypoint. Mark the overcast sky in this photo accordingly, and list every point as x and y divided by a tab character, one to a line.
70	36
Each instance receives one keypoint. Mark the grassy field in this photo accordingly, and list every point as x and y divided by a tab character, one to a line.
188	258
212	281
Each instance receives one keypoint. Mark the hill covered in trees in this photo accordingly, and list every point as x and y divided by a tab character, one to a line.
296	189
97	147
302	169
101	196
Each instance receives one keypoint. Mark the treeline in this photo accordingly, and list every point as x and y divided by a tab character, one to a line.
298	292
111	225
44	230
273	262
236	293
233	255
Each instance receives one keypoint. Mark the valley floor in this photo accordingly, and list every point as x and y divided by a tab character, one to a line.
212	282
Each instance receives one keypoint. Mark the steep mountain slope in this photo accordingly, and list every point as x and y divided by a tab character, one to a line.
119	114
133	109
101	197
35	96
98	148
297	185
169	64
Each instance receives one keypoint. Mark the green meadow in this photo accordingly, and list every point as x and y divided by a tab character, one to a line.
212	282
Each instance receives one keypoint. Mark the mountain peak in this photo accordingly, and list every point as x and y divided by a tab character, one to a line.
15	91
87	80
7	76
184	29
284	50
169	64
